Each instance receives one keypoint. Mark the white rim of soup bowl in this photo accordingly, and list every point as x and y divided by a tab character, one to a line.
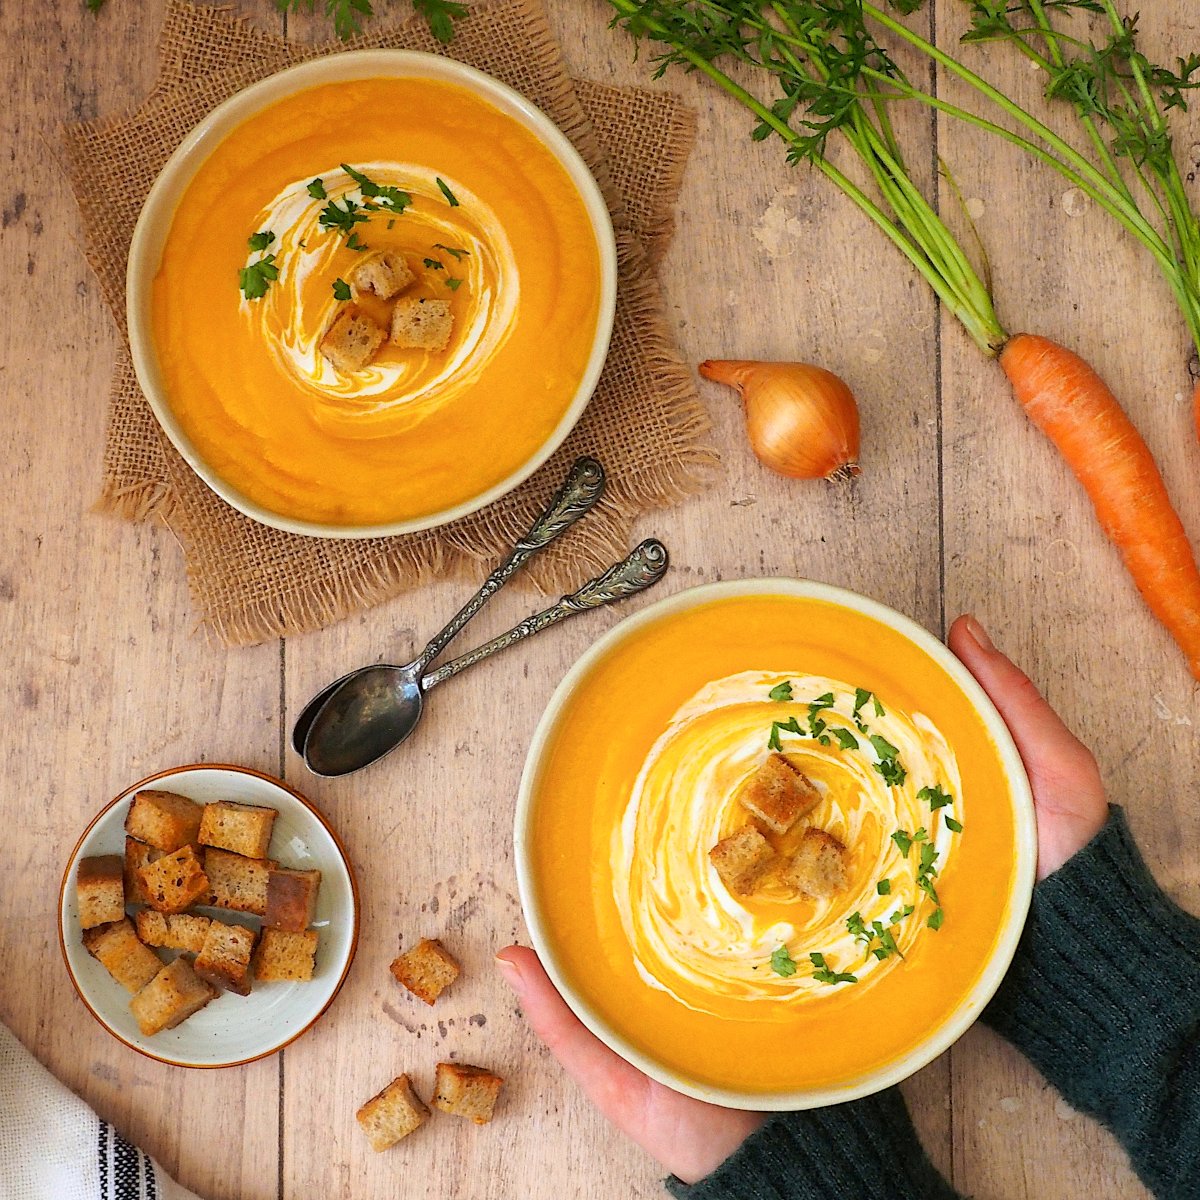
157	216
1020	796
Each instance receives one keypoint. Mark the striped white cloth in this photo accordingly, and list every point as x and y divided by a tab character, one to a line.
53	1147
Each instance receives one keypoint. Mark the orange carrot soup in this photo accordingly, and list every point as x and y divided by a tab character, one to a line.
476	219
787	982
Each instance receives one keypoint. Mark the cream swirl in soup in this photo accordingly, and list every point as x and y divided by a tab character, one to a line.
691	936
458	252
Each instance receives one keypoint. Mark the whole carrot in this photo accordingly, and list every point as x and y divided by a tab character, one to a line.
1074	408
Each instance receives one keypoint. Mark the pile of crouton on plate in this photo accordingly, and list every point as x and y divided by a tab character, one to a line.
179	854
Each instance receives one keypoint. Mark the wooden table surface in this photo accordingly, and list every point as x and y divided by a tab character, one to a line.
961	506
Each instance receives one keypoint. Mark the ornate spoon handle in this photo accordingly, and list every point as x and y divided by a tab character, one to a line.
644	567
578	495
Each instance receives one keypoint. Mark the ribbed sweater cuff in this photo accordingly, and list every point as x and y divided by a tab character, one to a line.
1104	992
862	1150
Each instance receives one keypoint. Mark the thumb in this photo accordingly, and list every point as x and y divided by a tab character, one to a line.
606	1078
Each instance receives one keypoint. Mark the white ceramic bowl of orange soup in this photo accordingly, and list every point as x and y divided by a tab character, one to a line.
635	773
492	210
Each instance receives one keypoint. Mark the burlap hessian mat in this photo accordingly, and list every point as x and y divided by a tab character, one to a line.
645	422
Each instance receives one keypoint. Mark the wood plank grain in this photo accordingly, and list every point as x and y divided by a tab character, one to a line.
106	679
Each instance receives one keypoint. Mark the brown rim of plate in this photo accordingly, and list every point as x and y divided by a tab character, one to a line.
337	841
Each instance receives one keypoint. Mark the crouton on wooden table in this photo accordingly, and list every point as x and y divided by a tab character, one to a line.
741	859
818	868
466	1091
291	899
426	970
224	959
285	955
172	996
383	275
392	1114
100	890
117	948
163	819
779	794
422	324
175	881
352	340
238	882
172	931
241	828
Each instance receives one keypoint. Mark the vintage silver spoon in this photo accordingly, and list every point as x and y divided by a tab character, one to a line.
579	494
372	712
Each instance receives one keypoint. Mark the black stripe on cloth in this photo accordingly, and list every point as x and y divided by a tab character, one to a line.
151	1182
102	1159
126	1172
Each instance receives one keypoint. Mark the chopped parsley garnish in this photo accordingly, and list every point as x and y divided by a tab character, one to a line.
953	825
342	219
260	240
454	284
845	738
782	962
353	242
435	264
387	195
884	887
781	691
341	289
257	277
936	797
900	913
935	919
816	723
889	762
451	199
904	840
791	725
823	974
870	934
316	189
456	254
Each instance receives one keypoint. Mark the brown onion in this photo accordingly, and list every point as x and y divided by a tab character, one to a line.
802	420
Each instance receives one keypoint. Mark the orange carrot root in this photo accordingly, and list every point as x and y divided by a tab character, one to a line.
1071	405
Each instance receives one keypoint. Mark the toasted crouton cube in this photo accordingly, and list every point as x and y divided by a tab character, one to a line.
224	959
172	931
174	881
392	1114
122	955
284	954
137	855
238	882
426	970
352	340
741	859
163	819
242	828
386	275
466	1091
779	794
100	890
291	899
818	868
422	324
172	996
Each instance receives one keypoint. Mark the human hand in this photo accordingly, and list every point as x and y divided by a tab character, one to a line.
1068	796
689	1137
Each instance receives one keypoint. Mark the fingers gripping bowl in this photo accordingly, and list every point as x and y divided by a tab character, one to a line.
775	846
371	294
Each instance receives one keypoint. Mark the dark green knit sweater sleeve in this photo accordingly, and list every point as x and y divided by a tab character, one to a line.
864	1150
1103	997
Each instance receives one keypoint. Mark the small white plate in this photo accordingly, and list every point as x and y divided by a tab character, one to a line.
231	1029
